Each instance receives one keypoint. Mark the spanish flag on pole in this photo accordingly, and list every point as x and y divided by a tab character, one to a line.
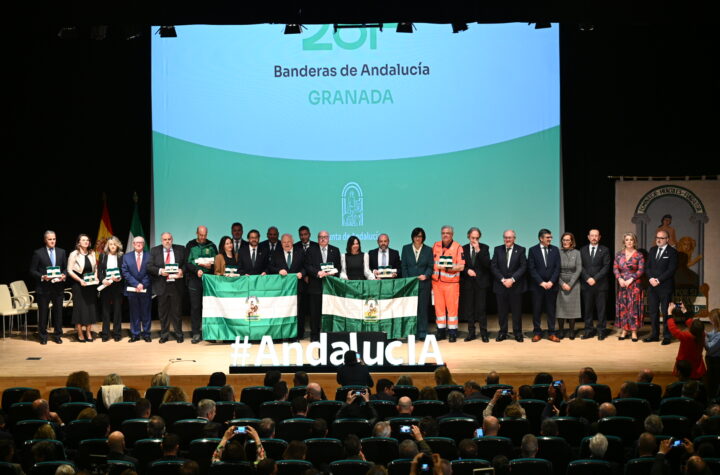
105	229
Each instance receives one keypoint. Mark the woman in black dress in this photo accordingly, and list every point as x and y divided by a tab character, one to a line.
355	263
111	296
226	257
82	269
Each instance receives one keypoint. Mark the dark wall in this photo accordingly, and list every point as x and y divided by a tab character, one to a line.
635	101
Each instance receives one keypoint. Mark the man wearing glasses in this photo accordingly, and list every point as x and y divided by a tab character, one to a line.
660	271
317	258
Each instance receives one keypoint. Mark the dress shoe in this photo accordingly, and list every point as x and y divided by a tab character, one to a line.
43	341
163	340
650	339
147	338
470	337
666	341
519	338
588	334
572	335
537	338
133	339
58	340
89	340
440	335
105	338
622	337
196	339
634	340
601	335
180	340
452	338
554	339
484	338
117	338
501	337
78	339
561	334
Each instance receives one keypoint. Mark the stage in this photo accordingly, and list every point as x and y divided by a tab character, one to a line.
27	363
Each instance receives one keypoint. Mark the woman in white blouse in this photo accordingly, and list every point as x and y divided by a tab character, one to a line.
355	263
112	293
82	269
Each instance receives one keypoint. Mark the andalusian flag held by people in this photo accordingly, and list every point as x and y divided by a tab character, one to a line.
136	228
105	230
251	305
388	306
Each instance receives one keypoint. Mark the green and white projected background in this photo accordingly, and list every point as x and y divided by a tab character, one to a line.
359	132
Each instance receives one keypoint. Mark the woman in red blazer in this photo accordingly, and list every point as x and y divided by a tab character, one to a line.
692	341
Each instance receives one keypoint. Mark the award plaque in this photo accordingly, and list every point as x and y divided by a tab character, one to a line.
328	267
231	271
53	271
172	268
89	278
112	273
386	271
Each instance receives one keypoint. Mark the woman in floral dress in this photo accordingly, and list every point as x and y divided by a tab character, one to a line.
629	266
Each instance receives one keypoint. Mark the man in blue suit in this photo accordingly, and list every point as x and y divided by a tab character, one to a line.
135	273
544	270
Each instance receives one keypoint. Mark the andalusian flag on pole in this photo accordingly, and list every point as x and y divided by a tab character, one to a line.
252	305
136	228
388	306
105	230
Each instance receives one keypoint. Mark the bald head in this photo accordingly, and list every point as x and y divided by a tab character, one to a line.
645	376
116	442
314	392
490	426
202	233
586	392
405	405
607	409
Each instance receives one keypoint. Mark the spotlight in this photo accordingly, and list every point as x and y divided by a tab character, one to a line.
293	28
167	32
405	28
68	32
458	27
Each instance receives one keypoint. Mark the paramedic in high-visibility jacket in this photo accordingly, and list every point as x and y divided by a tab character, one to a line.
449	262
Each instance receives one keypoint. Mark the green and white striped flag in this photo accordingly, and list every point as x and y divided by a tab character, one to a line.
388	306
252	305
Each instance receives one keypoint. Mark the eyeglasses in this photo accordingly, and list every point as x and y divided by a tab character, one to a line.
660	237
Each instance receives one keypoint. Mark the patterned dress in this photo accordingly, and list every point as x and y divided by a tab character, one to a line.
628	305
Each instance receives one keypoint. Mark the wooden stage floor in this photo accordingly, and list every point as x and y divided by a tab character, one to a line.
190	365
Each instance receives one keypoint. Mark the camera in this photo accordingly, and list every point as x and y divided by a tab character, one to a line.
479	432
557	384
506	392
676	443
425	463
241	430
405	429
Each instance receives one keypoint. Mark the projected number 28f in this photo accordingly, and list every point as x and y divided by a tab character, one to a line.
325	40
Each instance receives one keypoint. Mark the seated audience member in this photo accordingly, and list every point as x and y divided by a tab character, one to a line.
160	379
227	393
428	427
549	428
598	446
110	392
628	389
354	408
232	450
280	391
405	406
500	465
528	446
43	452
296	450
607	409
116	445
543	378
428	393
493	377
190	467
381	429
353	450
272	377
131	395
7	455
217	379
41	408
266	428
156	428
501	401
525	392
490	426
174	394
467	449
299	407
585	391
405	380
384	391
455	402
645	376
647	445
87	413
587	375
45	431
472	390
266	466
30	395
80	379
67	469
206	410
143	408
170	447
300	378
653	424
313	392
319	429
443	376
101	425
407	449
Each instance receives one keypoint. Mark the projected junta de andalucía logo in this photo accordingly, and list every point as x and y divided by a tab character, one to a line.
352	204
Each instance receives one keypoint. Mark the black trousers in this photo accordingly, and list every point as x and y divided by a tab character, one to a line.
315	315
544	300
594	300
472	306
111	301
195	294
509	302
303	311
54	294
658	301
169	304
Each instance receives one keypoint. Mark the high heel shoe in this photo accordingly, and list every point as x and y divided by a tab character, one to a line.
635	339
622	337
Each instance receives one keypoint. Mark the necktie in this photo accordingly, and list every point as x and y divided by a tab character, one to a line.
252	258
138	260
659	253
508	254
289	260
384	258
545	251
167	256
305	246
52	257
236	246
272	248
592	253
324	254
472	255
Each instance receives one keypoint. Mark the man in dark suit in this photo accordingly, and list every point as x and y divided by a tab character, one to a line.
236	231
253	259
302	247
544	269
272	243
287	260
660	271
383	256
49	289
167	288
508	267
135	273
594	281
474	281
116	445
314	258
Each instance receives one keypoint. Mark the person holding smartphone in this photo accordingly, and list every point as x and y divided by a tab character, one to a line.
233	433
